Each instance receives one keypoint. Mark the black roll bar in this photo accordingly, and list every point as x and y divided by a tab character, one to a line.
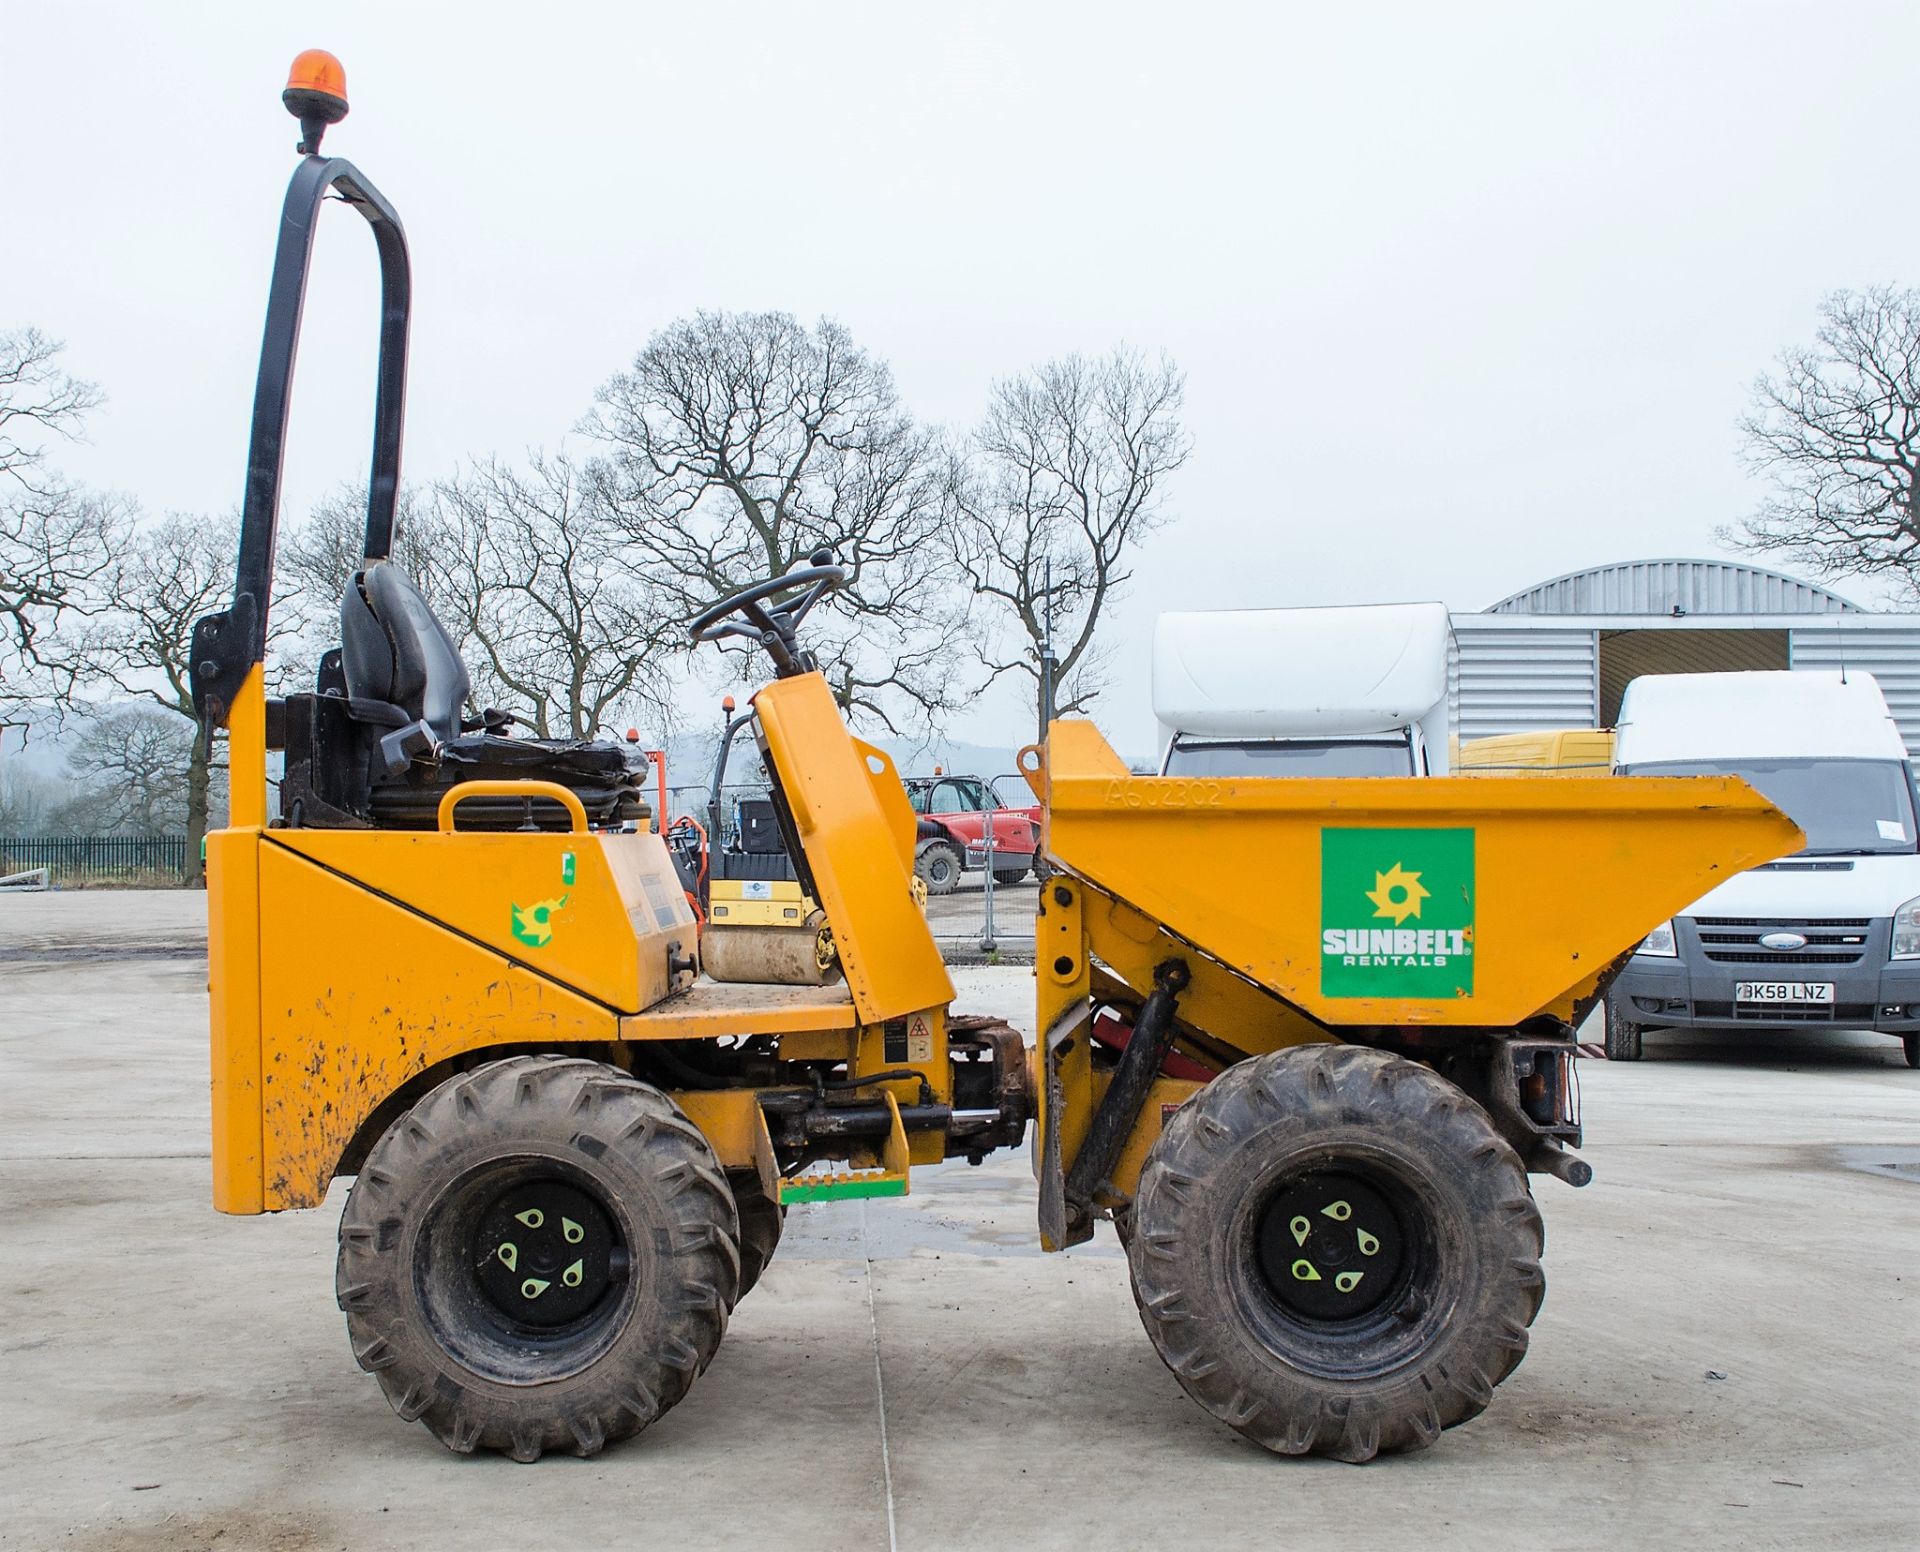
227	645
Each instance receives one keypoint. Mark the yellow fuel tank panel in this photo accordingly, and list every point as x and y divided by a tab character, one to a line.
596	912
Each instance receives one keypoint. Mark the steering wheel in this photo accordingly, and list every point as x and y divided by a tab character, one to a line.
773	627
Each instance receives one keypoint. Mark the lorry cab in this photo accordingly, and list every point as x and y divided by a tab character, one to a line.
1828	936
1352	691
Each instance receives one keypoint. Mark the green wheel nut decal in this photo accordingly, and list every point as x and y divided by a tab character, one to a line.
573	1232
1306	1271
1339	1212
533	1287
1300	1229
1346	1282
572	1275
1368	1244
509	1255
532	1217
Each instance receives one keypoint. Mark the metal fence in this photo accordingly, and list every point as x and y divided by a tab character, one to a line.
73	859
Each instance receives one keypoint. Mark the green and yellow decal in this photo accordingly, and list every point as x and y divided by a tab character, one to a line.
1396	913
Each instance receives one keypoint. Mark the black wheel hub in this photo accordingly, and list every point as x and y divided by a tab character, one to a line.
545	1253
1330	1246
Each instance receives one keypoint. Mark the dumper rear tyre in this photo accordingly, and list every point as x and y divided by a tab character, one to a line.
1335	1253
1912	1044
540	1255
938	865
761	1220
1624	1037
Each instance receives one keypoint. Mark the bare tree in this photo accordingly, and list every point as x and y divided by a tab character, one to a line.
1837	432
168	575
317	557
741	444
37	397
132	765
1051	497
561	628
55	539
29	799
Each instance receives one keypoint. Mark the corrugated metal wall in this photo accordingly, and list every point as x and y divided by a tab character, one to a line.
1891	656
1664	587
1516	681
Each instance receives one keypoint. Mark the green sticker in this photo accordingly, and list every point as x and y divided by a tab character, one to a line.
566	867
1396	913
533	924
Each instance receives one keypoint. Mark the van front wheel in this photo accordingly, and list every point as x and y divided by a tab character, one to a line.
1623	1035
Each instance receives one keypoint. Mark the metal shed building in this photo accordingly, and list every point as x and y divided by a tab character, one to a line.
1559	654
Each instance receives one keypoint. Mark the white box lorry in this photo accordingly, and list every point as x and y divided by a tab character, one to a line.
1352	691
1828	937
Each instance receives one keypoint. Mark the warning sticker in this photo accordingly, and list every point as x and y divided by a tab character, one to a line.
919	1039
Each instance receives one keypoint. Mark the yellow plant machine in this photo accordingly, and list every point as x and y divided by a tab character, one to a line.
1302	1041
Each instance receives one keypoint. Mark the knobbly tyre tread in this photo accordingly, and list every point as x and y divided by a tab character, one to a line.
1624	1038
922	869
1175	1253
672	1330
761	1221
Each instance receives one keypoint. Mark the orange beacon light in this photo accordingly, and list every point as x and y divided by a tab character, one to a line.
316	95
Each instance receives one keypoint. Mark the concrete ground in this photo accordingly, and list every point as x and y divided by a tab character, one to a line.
1727	1355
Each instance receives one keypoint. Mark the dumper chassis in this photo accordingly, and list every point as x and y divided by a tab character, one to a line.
1302	1042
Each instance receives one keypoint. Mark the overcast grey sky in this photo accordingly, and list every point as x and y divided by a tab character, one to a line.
1467	295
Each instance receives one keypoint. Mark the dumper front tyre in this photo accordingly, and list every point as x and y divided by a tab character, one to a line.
1335	1253
540	1255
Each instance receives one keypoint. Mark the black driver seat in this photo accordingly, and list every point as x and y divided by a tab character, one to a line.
395	651
383	740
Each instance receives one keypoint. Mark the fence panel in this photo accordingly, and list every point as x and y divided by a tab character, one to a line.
74	859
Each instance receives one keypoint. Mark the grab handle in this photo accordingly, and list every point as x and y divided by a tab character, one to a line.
528	790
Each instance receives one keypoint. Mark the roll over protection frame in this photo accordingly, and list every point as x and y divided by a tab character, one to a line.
227	645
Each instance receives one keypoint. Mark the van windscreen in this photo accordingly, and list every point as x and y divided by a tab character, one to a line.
1844	806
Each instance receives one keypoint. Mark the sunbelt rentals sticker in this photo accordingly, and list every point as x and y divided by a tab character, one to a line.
1396	913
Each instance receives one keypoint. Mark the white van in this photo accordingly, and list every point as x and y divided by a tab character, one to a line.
1829	936
1355	691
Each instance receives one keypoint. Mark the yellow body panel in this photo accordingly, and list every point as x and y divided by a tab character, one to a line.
857	830
233	985
594	912
1166	1096
1218	1002
1556	752
711	1010
358	995
1566	875
739	902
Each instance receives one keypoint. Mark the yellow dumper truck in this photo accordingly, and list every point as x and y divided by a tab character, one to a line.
1302	1041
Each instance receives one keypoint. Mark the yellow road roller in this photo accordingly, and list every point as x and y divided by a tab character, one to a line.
1303	1042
